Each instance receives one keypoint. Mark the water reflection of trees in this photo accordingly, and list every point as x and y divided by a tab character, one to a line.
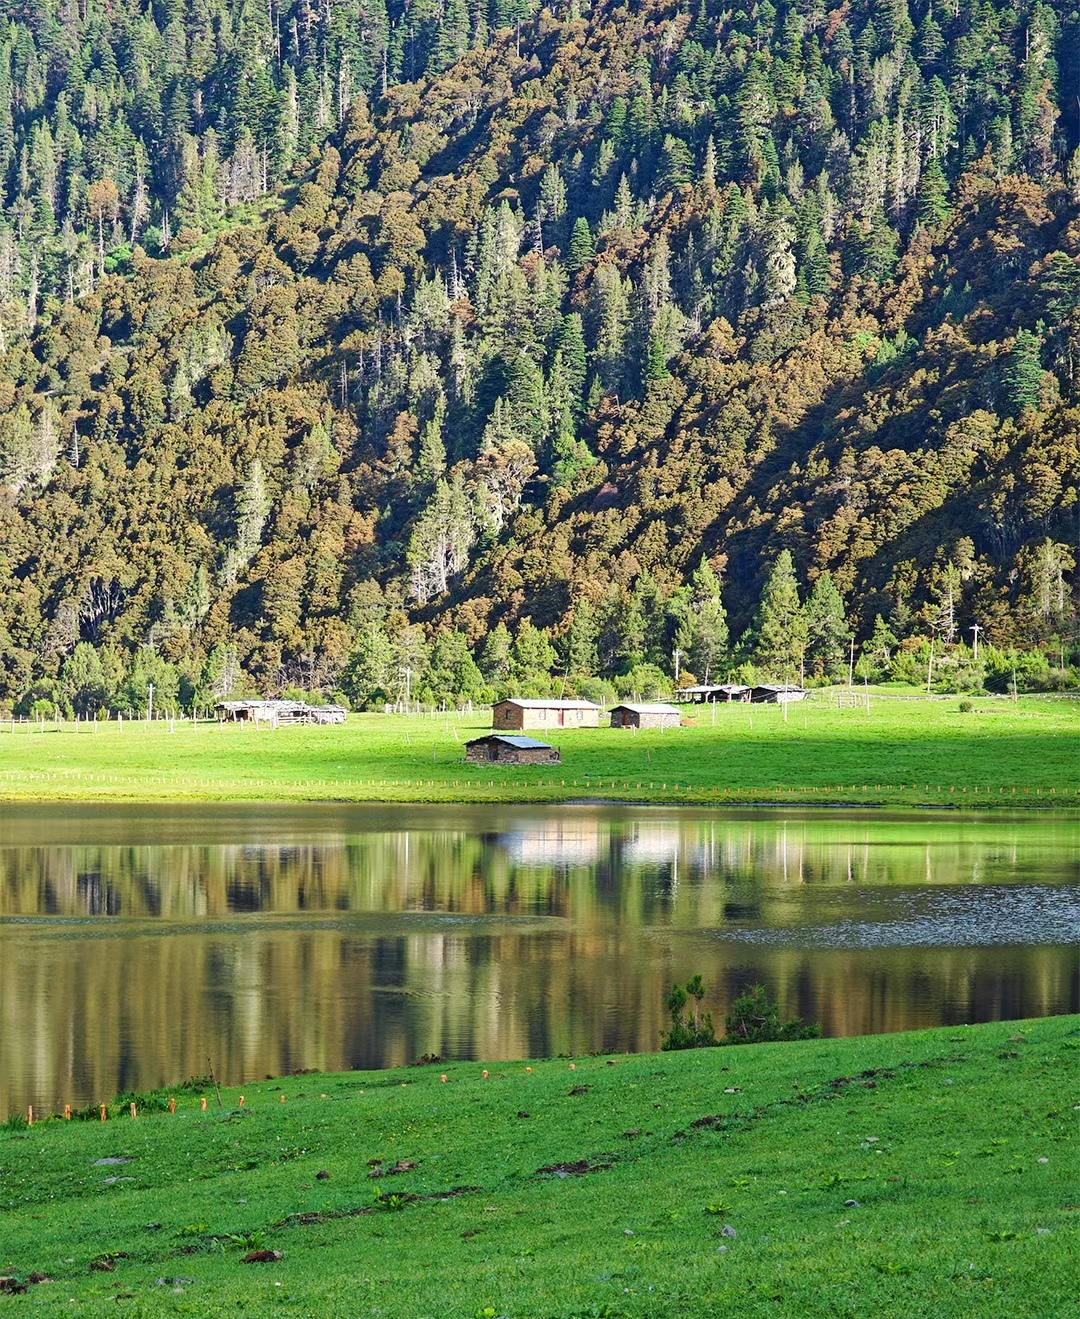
689	871
405	942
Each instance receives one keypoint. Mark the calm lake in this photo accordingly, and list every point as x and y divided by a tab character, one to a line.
136	943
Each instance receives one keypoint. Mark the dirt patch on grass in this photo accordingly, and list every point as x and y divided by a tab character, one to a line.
402	1165
313	1217
575	1168
12	1286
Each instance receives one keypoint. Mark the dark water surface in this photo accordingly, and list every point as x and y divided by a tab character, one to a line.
136	943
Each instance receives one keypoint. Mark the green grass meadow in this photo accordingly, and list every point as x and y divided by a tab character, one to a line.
898	751
931	1173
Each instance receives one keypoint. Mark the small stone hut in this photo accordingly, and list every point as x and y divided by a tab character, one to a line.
645	716
508	749
519	713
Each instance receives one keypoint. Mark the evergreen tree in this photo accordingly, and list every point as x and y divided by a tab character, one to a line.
367	676
676	165
778	638
431	459
1021	374
706	645
252	508
931	200
828	634
453	38
581	655
571	346
582	249
495	661
441	540
610	308
532	655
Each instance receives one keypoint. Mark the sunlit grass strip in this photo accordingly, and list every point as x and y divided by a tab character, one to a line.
1022	754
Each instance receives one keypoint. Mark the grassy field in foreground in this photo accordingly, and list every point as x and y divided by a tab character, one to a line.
897	752
932	1173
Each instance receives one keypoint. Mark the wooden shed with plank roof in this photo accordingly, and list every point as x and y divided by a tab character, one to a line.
776	693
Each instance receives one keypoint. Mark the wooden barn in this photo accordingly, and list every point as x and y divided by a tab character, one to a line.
278	713
508	749
518	713
645	716
703	695
772	693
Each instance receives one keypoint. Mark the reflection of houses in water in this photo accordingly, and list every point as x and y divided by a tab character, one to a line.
652	844
660	846
557	842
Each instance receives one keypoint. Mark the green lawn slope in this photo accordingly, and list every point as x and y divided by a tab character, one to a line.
932	1173
897	751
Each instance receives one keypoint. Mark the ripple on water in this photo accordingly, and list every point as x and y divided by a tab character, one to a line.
986	916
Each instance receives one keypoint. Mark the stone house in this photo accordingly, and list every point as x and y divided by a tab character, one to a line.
645	716
519	712
507	749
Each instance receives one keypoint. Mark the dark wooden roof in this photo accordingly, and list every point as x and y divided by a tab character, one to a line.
513	740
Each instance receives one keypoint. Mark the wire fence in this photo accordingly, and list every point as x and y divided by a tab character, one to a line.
171	786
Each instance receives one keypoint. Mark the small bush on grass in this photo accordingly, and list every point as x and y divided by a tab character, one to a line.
755	1019
693	1031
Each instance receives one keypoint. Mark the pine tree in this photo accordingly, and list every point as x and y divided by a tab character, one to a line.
571	345
879	649
610	308
779	634
532	656
932	197
252	509
582	249
581	657
525	397
707	644
367	675
441	540
568	455
431	458
1021	374
828	634
453	38
676	165
495	655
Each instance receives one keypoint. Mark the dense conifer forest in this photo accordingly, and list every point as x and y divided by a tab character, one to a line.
356	347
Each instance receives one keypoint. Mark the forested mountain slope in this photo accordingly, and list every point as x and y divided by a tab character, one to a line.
341	340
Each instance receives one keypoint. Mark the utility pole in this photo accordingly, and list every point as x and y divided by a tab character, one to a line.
678	653
976	629
150	702
851	665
